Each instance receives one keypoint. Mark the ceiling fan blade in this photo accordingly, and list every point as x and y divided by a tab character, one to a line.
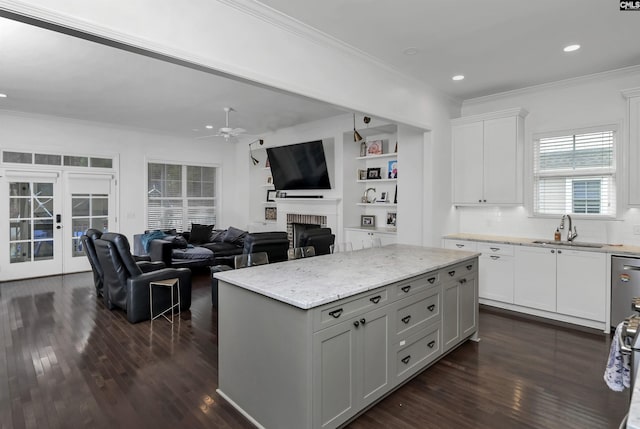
237	131
207	137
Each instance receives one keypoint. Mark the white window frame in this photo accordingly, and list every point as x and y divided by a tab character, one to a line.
614	172
186	225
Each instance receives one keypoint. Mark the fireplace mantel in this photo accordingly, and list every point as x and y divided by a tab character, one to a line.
308	206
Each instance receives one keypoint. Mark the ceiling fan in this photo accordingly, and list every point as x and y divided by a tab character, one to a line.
227	132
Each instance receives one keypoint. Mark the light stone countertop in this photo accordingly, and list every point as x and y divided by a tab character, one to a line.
618	249
310	282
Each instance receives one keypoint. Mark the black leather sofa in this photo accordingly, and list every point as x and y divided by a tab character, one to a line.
126	286
320	238
223	245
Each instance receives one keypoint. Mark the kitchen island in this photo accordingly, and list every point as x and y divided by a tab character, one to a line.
313	342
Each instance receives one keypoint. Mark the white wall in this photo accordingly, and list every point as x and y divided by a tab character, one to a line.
134	147
589	101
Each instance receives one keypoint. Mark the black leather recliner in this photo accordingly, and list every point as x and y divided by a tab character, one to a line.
320	238
275	244
125	285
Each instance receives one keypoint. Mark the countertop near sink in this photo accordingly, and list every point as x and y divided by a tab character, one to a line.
519	241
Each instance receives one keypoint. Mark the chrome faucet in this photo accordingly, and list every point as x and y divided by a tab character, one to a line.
571	235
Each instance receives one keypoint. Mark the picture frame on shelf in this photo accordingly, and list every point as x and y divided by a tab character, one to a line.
367	221
270	213
362	174
384	196
374	147
392	169
391	219
373	173
271	195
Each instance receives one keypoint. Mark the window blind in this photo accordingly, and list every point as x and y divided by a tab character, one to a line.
179	195
575	174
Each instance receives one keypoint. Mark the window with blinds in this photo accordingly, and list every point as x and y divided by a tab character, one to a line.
179	195
575	174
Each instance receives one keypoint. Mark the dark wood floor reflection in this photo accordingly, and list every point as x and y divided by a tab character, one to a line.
68	362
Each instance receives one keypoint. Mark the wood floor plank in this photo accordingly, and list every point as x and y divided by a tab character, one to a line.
67	361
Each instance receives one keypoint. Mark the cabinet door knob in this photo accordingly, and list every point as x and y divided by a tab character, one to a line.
406	319
559	251
553	251
335	313
431	307
356	323
405	360
479	201
376	299
363	321
406	288
484	201
431	344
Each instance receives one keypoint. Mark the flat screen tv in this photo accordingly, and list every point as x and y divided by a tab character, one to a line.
299	166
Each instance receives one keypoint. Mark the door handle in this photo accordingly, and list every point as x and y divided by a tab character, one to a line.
631	267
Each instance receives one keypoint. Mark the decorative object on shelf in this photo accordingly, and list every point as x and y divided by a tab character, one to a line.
373	173
356	135
393	169
270	213
362	174
363	148
280	194
391	218
369	195
374	147
396	149
367	221
384	196
266	163
254	160
269	180
395	196
271	196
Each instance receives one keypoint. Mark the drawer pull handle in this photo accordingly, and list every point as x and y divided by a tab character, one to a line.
431	280
460	246
494	257
431	344
431	307
452	273
405	360
495	249
335	313
406	288
376	299
406	319
463	281
469	267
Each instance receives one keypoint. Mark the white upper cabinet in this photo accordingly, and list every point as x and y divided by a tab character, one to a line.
633	100
488	158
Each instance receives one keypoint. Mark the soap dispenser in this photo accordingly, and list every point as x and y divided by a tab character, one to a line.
557	235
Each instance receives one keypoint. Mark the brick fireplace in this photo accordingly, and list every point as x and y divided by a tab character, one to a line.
302	211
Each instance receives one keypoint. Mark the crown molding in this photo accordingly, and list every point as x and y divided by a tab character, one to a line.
551	85
518	111
631	92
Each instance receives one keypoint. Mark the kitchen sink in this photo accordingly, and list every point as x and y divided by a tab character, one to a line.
569	244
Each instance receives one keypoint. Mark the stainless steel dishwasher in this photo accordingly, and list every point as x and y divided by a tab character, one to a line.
625	285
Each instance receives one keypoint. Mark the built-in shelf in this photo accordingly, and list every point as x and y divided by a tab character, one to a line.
388	205
268	203
384	155
376	180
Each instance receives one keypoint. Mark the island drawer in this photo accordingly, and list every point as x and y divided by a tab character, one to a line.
339	311
458	271
417	351
410	287
495	249
416	313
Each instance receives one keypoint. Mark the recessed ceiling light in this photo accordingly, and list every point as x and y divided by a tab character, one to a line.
209	127
410	51
3	95
571	48
458	77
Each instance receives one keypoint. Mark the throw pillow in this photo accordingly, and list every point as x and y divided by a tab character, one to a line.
179	242
217	235
235	236
200	233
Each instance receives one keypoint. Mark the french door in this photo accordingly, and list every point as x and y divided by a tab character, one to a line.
46	214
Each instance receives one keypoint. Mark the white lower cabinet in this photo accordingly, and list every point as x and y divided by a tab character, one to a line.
564	281
459	304
360	238
497	271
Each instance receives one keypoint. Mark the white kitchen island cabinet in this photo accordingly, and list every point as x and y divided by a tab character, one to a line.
313	342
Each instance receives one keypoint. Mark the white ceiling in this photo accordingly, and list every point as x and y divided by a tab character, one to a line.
499	45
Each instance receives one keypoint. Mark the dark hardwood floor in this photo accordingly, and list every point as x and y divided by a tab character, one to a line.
68	362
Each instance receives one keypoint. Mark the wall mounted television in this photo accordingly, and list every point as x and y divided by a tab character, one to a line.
299	166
